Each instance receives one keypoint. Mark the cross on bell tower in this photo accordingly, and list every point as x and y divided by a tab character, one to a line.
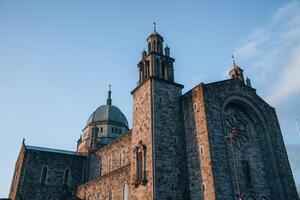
154	26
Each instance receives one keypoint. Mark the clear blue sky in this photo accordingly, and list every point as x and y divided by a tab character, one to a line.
58	57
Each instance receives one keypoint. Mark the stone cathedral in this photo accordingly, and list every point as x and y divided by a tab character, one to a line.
218	141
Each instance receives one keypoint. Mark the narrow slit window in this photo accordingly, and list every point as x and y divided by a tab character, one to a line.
44	175
140	164
66	176
110	165
125	192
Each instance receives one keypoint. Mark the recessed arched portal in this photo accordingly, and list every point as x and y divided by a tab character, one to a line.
248	149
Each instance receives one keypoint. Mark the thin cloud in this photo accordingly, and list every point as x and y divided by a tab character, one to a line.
289	81
272	53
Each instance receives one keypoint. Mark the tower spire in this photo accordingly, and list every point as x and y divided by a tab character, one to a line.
108	102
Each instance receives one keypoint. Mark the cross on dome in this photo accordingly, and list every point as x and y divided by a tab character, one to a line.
109	100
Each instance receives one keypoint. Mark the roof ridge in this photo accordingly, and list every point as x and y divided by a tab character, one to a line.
52	150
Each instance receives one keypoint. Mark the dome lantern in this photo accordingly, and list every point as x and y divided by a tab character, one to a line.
108	102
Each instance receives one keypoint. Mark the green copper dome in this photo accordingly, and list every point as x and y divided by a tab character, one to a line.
108	114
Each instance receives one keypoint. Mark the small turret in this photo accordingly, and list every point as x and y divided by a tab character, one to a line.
167	51
236	72
248	82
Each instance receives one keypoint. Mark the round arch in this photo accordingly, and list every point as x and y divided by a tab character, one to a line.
125	191
255	113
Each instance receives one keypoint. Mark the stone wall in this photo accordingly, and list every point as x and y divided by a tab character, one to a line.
198	148
170	175
265	151
112	152
157	124
107	169
30	186
142	132
99	187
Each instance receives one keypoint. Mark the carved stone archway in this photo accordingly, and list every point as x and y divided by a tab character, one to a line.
245	159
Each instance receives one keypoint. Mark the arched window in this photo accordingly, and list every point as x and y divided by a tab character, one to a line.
110	194
66	176
95	131
146	70
243	125
44	175
139	166
109	165
125	192
122	158
158	46
158	67
149	47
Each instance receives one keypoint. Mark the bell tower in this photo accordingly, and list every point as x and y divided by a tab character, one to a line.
158	141
155	62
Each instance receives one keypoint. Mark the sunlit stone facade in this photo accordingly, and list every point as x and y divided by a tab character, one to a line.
217	141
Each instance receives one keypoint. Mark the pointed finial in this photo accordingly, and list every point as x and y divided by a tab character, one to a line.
167	50
108	102
23	141
233	60
248	81
154	26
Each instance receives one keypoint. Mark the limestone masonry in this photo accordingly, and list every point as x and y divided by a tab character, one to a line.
217	141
